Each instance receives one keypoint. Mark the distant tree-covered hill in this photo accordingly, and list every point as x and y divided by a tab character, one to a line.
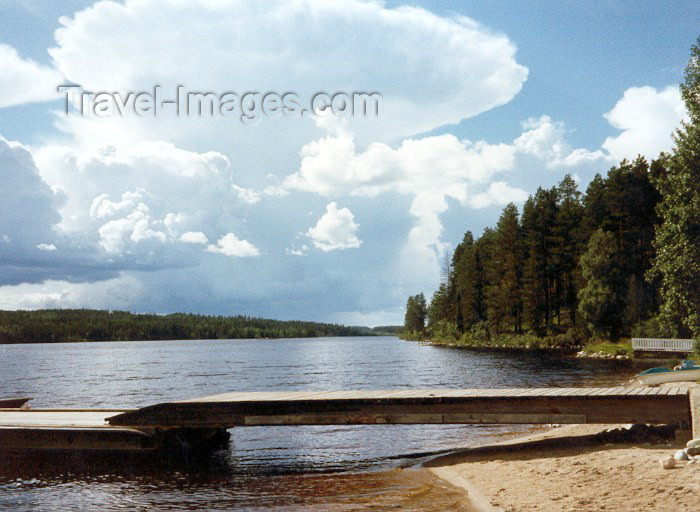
58	325
388	330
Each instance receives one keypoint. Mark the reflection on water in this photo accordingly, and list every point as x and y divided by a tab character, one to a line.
291	468
60	482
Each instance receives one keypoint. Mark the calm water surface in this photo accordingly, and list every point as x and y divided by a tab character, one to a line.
266	468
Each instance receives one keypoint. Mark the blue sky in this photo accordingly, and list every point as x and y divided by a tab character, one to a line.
323	219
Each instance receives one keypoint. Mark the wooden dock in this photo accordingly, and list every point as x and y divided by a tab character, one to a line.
449	406
139	428
69	429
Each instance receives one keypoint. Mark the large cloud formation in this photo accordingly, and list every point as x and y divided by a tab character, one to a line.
144	199
129	185
319	218
431	70
25	81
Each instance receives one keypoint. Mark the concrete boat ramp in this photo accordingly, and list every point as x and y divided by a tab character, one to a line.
203	422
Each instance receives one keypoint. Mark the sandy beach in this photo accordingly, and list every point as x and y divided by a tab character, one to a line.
573	468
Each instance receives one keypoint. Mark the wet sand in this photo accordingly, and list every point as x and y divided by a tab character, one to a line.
568	469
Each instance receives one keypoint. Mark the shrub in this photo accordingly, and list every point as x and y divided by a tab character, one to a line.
651	328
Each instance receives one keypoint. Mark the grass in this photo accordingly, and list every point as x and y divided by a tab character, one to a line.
609	348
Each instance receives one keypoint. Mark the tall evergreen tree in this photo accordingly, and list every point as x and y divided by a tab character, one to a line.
465	281
540	270
485	252
631	201
595	209
440	307
568	245
414	319
602	299
504	295
677	239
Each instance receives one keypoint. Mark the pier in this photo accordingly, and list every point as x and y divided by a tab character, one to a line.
205	420
662	346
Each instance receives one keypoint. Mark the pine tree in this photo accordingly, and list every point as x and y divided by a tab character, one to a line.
603	297
540	270
463	263
505	271
568	244
414	319
439	307
595	208
677	239
485	253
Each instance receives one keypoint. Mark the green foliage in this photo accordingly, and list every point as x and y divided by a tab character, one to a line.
677	241
608	348
623	258
59	325
414	320
503	296
445	331
388	330
477	335
440	306
569	243
525	276
539	217
413	335
603	298
652	327
469	282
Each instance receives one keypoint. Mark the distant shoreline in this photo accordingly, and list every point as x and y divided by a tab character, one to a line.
188	339
91	325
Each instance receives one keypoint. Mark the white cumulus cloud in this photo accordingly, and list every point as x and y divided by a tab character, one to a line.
647	118
194	237
25	81
336	229
498	192
431	70
135	227
333	165
230	245
116	293
545	140
28	206
139	199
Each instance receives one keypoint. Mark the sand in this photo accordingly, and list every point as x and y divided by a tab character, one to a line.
566	477
567	469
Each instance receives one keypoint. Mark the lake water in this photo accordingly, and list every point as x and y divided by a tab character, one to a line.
266	468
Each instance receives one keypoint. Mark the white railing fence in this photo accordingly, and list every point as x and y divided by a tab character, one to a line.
662	345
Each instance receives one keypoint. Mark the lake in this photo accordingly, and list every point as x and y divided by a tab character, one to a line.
266	468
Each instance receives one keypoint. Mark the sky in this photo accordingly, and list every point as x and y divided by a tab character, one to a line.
327	217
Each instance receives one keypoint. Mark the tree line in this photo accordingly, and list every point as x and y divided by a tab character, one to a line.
61	325
621	259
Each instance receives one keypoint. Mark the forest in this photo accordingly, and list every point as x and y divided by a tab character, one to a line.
61	325
620	259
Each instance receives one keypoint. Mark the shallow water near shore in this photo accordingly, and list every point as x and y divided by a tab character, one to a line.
266	468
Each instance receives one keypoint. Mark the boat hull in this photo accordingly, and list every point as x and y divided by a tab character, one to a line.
14	403
654	379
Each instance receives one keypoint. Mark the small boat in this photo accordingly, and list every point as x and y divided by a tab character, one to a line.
687	371
14	403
